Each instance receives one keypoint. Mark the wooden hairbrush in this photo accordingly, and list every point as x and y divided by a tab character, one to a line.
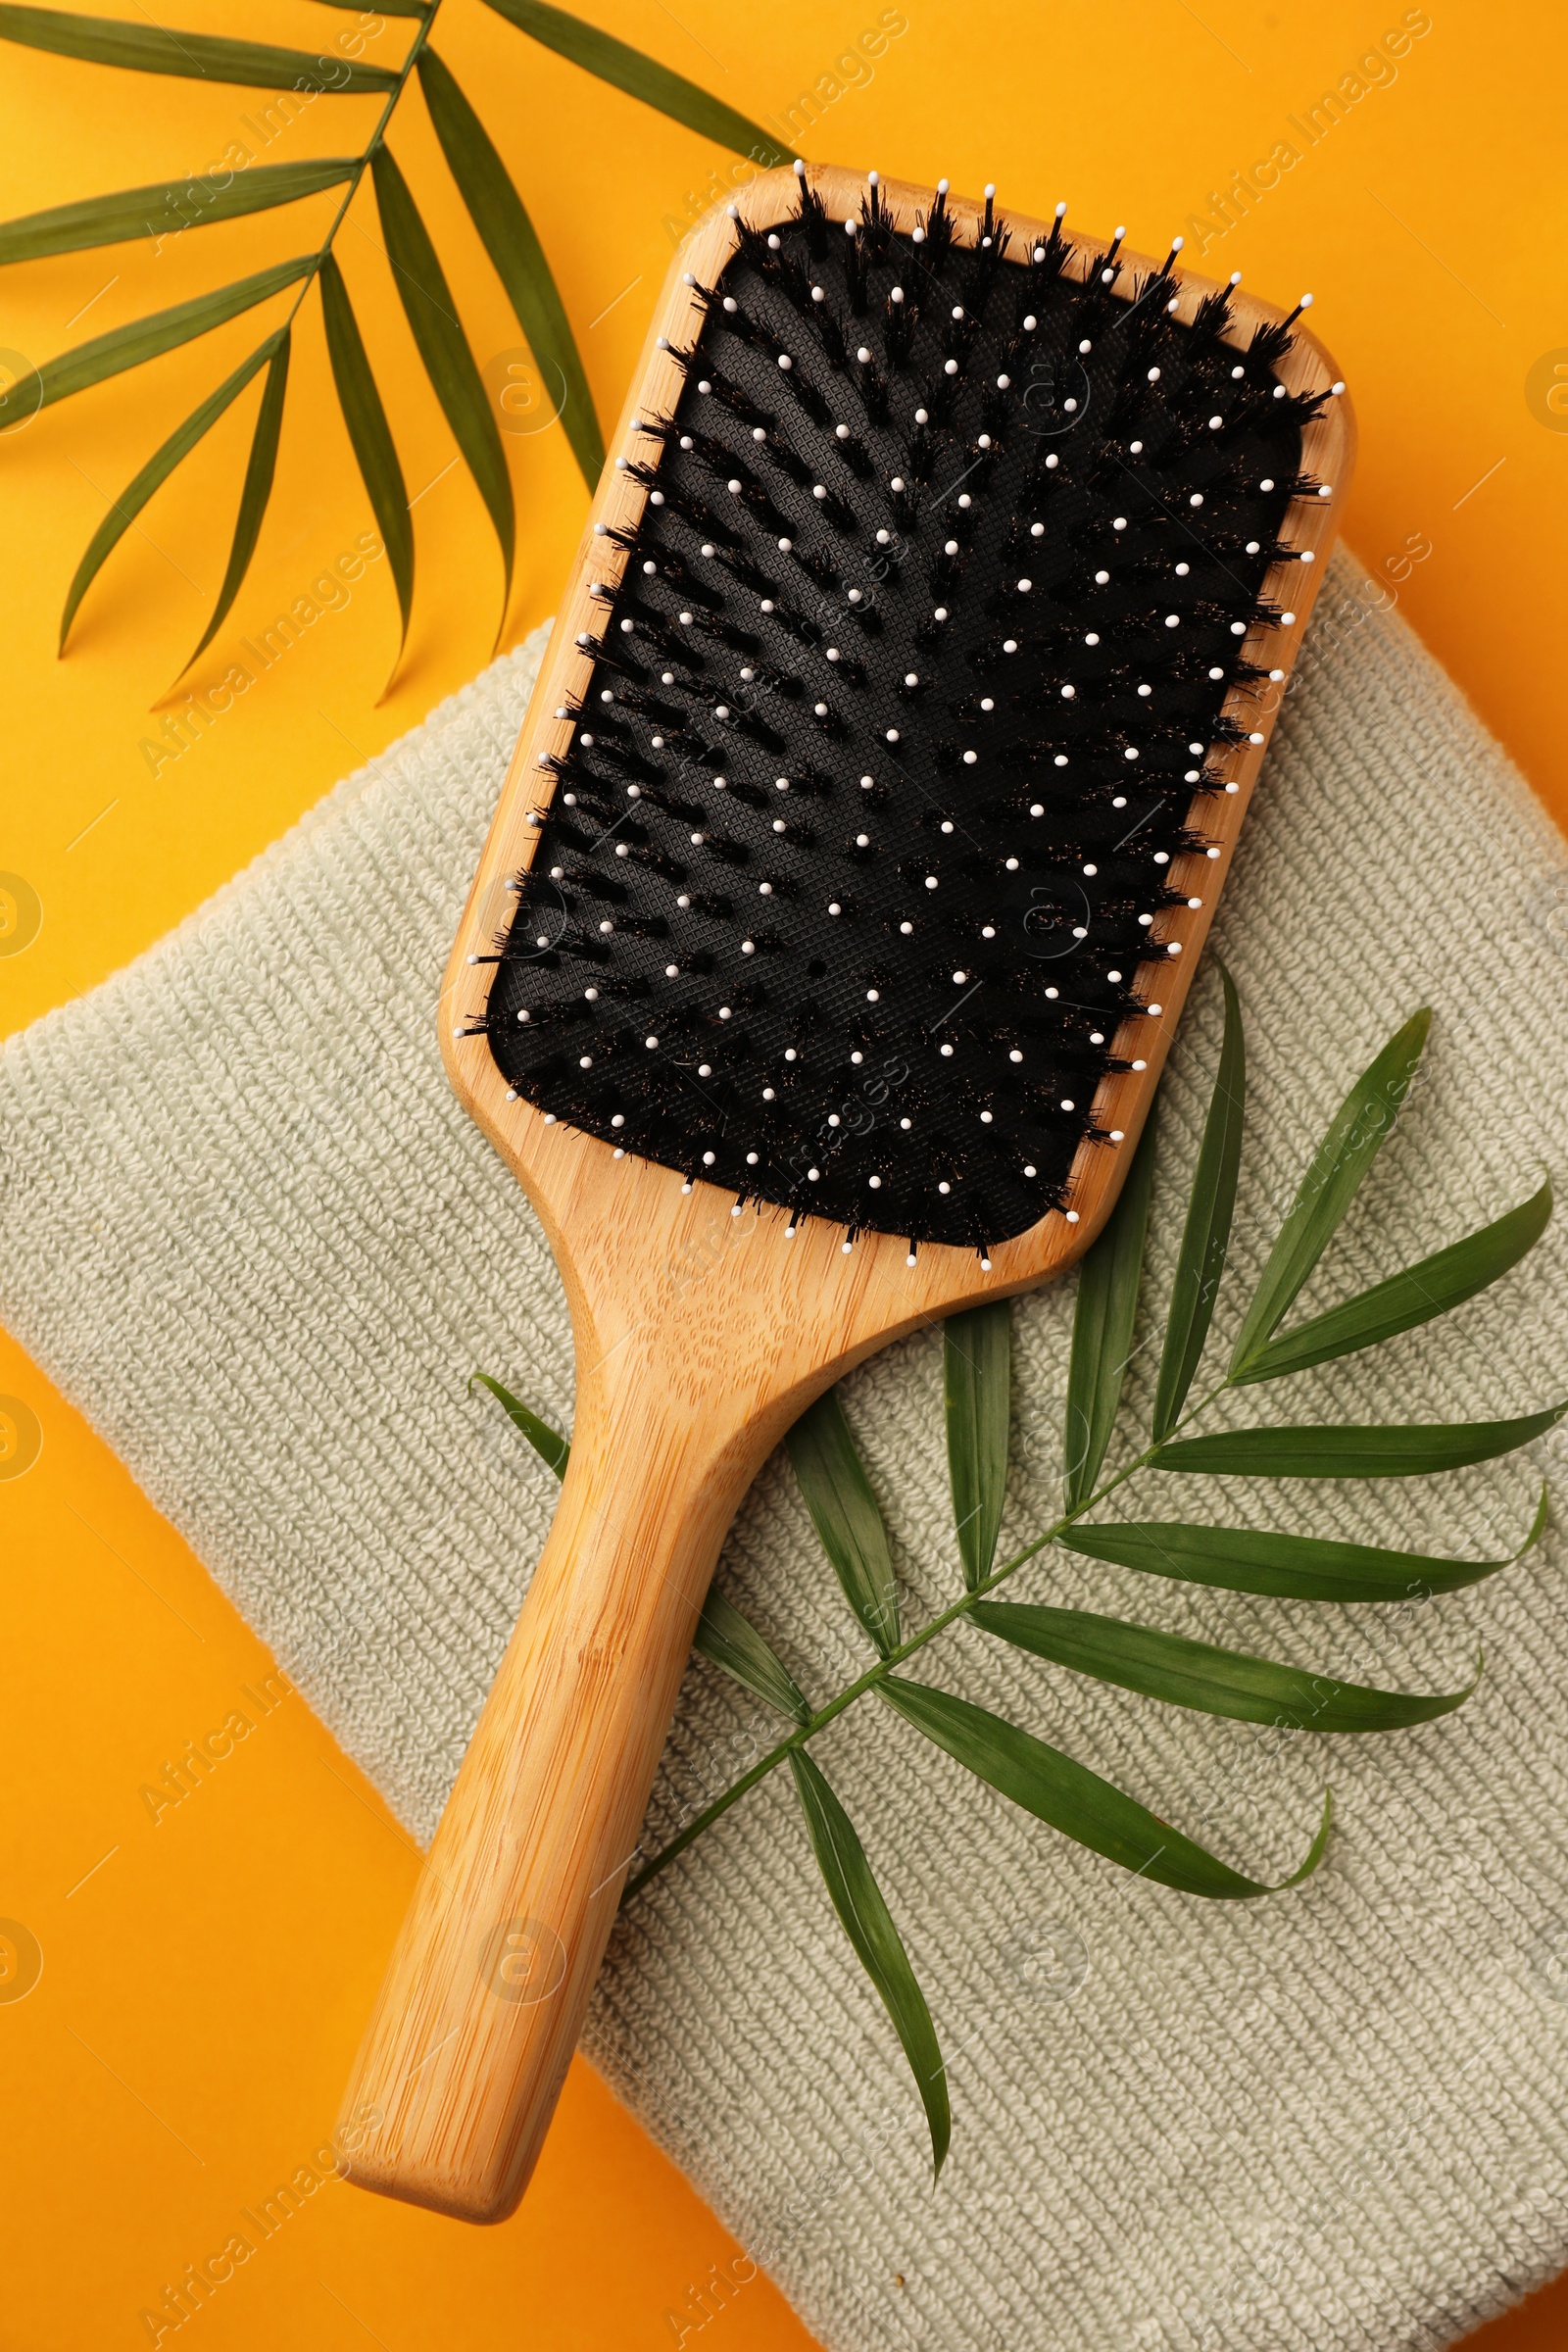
870	815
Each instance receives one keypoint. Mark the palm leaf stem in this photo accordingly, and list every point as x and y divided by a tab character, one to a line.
917	1642
377	135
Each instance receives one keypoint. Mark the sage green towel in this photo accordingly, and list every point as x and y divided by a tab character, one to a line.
245	1226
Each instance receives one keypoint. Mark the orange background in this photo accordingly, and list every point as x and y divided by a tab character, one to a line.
205	1979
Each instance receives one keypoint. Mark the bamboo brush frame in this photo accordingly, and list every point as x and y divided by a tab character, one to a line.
700	1336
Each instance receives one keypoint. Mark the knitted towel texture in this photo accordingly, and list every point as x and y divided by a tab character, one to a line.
246	1228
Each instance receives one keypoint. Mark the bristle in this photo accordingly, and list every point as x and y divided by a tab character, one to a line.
909	695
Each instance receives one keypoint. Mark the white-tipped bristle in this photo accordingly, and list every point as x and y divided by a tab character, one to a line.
1062	209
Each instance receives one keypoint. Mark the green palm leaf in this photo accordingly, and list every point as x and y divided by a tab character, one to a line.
1376	1449
1077	1801
1206	1236
1196	1674
163	330
376	455
1102	1325
509	239
196	56
1360	1129
189	202
600	54
157	470
1249	1559
1439	1283
433	317
553	1449
844	1511
727	1636
977	1380
868	1923
257	489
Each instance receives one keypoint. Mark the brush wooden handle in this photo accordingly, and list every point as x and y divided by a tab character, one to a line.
486	1990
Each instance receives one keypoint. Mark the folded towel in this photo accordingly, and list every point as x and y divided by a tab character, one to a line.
247	1230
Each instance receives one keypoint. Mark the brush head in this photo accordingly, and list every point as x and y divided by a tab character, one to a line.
913	691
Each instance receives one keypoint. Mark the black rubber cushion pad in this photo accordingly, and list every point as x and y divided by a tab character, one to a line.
909	694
